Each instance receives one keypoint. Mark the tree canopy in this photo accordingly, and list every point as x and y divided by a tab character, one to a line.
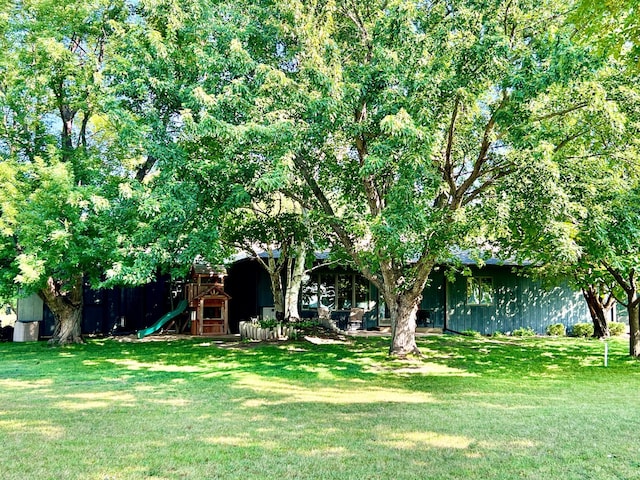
395	120
60	160
144	134
91	95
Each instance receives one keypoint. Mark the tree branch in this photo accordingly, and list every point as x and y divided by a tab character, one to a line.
502	172
618	277
145	168
560	113
481	158
83	129
568	139
448	164
332	219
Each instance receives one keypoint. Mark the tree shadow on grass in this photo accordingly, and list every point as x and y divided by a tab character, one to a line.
518	357
361	360
197	409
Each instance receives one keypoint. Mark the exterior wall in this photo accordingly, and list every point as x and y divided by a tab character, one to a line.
518	302
125	309
105	311
248	286
432	308
30	309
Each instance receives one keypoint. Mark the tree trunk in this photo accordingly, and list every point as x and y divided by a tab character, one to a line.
295	273
65	303
275	275
403	310
599	309
403	302
633	310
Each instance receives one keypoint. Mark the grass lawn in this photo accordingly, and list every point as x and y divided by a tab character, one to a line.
474	408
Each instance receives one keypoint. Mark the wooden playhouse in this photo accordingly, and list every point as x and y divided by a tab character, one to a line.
208	302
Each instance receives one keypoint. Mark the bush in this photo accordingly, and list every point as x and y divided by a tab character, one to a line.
268	323
582	330
617	328
498	334
556	330
471	333
523	332
305	324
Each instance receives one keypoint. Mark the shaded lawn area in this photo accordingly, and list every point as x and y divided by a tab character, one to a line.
473	408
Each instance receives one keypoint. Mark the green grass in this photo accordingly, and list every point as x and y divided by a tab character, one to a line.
474	408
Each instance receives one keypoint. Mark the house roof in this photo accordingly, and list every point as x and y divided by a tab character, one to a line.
205	269
241	255
465	257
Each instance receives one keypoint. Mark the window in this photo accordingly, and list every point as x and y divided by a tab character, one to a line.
336	291
361	288
328	291
345	291
212	312
310	293
480	291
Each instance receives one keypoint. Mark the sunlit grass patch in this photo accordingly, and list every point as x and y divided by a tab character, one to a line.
412	440
471	408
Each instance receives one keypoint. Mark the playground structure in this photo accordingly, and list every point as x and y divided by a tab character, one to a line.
163	320
206	302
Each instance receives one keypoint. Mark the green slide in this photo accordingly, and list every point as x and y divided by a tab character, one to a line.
163	319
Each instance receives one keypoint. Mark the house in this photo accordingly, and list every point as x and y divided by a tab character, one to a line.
494	298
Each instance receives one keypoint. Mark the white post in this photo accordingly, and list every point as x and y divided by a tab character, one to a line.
606	353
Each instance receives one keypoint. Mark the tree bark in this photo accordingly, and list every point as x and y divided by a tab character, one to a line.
633	310
275	275
599	309
65	302
630	286
295	272
403	310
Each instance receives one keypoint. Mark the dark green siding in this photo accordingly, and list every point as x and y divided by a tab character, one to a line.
518	302
433	300
265	296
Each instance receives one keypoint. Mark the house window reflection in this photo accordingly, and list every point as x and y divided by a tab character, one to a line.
480	291
336	291
327	291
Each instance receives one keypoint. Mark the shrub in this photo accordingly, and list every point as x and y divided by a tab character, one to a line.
268	323
306	324
582	330
498	334
617	328
471	333
556	330
523	332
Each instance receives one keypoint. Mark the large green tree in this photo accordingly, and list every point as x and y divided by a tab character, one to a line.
91	94
273	232
57	162
397	119
580	219
165	52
